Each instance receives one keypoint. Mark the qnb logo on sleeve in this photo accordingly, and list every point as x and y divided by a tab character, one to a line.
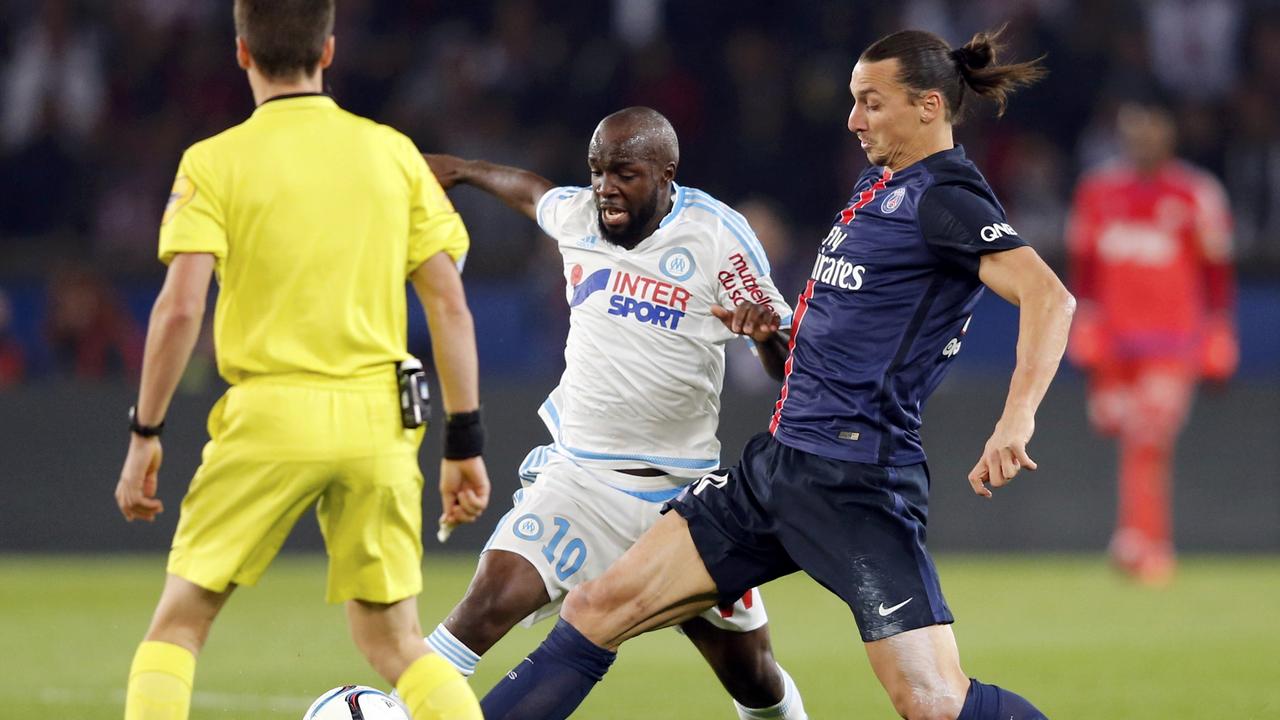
995	231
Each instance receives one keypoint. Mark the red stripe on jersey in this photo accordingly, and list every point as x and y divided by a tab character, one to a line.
802	306
865	197
846	217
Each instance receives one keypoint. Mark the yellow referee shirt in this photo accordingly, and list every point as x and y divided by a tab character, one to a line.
316	217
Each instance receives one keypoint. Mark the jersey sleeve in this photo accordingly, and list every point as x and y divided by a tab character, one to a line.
556	207
961	226
194	219
743	274
434	226
1213	219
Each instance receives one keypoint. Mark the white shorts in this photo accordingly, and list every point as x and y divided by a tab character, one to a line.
571	524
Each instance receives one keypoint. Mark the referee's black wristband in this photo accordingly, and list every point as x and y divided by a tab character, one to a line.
463	435
146	431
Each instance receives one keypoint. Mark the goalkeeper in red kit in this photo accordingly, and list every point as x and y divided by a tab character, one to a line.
1150	246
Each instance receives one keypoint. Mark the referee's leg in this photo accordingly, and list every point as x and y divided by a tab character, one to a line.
164	666
390	637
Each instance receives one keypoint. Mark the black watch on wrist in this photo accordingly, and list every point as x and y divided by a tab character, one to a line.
146	431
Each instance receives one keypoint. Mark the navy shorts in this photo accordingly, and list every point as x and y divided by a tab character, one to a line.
857	529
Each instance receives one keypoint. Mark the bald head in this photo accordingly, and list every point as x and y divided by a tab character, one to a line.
632	158
636	134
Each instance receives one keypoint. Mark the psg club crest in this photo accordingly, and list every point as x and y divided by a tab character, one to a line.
892	202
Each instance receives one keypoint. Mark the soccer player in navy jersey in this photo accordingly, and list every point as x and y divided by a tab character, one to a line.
838	487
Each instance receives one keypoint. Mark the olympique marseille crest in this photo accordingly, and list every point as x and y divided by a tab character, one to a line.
892	202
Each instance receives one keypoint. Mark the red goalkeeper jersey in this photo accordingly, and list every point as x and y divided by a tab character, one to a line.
1150	255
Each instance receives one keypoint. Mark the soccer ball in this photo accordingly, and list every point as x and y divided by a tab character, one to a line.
355	702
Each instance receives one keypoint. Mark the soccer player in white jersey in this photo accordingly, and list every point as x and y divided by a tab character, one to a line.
659	278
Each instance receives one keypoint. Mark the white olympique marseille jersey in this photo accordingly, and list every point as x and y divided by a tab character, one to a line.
644	361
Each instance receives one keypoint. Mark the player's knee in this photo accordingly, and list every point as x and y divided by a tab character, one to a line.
1107	413
389	638
581	602
596	599
1151	433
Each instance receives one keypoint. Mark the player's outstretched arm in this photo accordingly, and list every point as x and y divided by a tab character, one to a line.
1044	319
464	482
761	325
519	189
171	336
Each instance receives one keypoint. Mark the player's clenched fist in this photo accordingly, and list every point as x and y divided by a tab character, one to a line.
759	322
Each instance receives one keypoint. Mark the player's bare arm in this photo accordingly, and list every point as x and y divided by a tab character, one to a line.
171	336
1044	319
464	483
519	189
763	326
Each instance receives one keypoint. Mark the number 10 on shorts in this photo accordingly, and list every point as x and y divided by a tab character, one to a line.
570	557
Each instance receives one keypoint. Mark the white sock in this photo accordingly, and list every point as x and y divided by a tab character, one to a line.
790	708
450	648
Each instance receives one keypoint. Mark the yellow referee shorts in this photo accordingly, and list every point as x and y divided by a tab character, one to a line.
282	444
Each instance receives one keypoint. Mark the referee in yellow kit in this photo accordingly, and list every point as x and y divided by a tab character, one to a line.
312	218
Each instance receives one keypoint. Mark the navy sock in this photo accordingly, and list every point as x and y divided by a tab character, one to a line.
553	681
988	702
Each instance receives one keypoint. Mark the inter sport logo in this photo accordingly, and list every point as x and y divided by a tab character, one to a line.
646	299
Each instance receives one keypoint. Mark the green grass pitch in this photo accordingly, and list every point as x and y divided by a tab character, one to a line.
1062	630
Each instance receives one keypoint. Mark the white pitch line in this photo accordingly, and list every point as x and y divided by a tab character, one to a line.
203	699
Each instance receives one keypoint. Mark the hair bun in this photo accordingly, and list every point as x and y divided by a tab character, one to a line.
977	53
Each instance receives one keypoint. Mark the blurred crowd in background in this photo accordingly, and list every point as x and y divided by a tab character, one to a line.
98	99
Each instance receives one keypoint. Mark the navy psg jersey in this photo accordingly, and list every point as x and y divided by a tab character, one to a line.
886	308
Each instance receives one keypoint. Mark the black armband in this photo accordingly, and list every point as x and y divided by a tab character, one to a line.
463	435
